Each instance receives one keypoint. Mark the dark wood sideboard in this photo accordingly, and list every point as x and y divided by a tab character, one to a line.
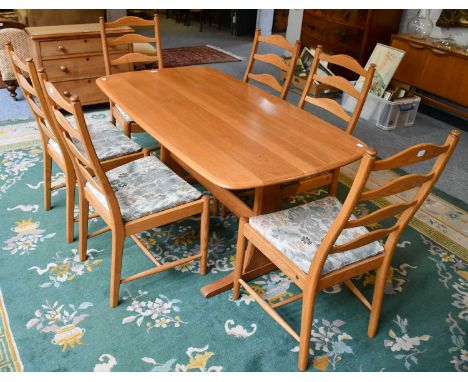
438	71
350	31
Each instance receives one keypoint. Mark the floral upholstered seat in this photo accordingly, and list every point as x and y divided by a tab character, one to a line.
108	140
146	186
297	232
124	114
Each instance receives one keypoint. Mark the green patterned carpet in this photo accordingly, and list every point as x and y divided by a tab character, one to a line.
55	314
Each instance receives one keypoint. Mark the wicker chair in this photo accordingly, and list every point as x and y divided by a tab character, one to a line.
19	39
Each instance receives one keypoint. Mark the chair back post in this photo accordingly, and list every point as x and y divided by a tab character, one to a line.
313	69
362	175
105	51
292	68
157	34
252	54
105	47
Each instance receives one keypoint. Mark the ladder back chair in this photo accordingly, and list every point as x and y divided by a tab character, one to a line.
34	96
268	79
142	53
330	179
337	245
113	146
132	198
273	59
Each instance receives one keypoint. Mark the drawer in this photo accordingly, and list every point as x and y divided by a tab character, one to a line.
87	90
75	46
351	17
78	67
332	36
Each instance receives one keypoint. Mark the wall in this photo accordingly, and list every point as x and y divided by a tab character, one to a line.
460	35
293	32
265	21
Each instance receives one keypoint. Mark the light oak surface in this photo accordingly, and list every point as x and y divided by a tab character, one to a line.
231	133
313	281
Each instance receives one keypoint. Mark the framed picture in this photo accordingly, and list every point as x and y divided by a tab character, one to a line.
386	60
307	56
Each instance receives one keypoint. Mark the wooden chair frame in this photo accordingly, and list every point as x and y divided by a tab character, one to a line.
47	130
331	179
273	59
129	58
268	79
312	282
89	170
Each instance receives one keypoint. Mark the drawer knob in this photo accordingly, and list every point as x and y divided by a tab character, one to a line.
63	68
341	35
61	47
66	93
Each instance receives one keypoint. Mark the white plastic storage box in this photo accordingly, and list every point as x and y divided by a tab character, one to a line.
387	115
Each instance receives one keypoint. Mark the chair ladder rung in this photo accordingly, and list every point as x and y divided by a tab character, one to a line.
287	301
160	269
99	231
267	308
145	250
58	186
358	294
90	216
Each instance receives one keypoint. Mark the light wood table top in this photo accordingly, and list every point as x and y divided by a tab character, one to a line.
233	134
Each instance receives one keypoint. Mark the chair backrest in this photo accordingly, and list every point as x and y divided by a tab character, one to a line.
130	38
80	147
405	210
35	98
273	59
340	83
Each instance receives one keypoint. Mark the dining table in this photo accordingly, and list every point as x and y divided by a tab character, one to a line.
229	136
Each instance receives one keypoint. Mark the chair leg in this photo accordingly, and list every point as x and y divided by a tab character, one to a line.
308	304
126	129
333	188
377	300
83	234
204	233
223	210
70	184
215	206
118	239
47	180
240	254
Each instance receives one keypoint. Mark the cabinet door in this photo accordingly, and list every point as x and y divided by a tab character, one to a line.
446	76
412	67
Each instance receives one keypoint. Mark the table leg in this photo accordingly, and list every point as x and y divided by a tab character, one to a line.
267	199
169	161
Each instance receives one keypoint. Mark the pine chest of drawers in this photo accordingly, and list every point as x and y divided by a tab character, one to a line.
72	57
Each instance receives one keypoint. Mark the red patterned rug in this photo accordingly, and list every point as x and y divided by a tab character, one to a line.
196	55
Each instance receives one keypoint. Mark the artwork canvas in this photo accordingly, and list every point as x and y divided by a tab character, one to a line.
306	58
386	60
